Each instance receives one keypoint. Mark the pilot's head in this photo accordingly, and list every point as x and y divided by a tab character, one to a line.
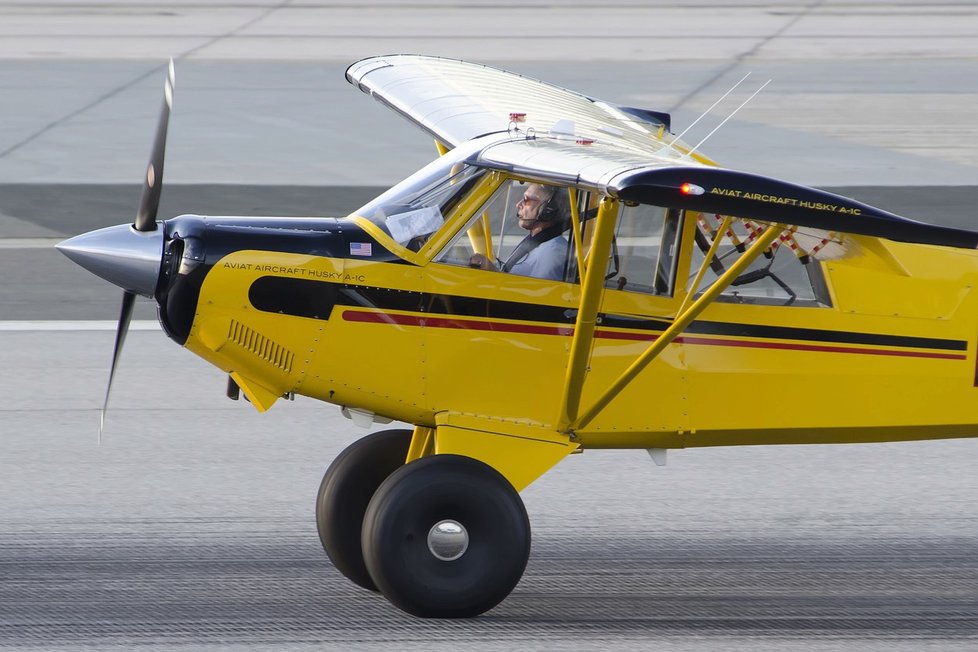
541	206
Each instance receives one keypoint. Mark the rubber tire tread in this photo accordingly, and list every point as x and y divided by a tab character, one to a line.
418	495
345	491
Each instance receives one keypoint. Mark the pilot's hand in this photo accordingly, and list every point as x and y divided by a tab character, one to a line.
479	261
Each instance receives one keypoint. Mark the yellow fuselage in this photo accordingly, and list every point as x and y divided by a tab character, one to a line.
893	358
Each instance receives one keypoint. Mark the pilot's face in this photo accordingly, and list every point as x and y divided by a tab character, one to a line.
528	208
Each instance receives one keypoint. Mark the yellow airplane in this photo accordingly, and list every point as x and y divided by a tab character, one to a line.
566	275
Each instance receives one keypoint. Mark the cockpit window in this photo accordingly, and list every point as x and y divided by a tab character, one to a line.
644	250
520	229
786	274
418	206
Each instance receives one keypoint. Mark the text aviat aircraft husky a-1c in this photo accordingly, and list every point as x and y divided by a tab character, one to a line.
677	285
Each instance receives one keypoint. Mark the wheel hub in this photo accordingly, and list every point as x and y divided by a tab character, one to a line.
448	540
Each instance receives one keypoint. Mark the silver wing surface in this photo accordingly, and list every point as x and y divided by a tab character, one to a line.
456	101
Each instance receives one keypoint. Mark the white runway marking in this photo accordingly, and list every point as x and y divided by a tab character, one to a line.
29	243
65	325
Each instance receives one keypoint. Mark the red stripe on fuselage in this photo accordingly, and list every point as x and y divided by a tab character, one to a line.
508	327
447	322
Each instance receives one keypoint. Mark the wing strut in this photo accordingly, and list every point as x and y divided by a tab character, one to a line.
683	318
707	260
587	313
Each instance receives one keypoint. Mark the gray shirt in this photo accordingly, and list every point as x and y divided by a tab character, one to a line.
544	261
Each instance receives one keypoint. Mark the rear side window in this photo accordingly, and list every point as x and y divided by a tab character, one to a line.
786	274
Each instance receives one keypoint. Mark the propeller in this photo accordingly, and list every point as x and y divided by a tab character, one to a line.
125	316
145	222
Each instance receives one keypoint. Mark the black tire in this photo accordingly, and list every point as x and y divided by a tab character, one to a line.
346	489
424	493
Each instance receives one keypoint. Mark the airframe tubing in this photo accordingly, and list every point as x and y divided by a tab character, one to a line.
487	234
679	324
706	264
587	312
576	229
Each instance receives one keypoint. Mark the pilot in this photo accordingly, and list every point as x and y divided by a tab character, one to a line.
543	211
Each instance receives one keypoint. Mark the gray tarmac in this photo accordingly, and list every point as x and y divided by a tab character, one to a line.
191	526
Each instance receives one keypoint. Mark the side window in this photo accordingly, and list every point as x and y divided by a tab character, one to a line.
644	250
521	229
786	274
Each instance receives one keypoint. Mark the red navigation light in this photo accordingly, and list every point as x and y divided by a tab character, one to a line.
691	189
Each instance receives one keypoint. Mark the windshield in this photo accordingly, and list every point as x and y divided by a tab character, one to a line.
417	207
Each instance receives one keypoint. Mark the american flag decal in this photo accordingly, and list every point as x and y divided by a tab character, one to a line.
360	248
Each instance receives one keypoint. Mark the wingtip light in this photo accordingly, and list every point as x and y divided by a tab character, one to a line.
691	189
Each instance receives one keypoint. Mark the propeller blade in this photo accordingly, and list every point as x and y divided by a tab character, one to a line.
125	316
149	203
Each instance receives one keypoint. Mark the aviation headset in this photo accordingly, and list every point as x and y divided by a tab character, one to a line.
549	211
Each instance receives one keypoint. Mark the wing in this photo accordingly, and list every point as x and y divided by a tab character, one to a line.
456	101
571	138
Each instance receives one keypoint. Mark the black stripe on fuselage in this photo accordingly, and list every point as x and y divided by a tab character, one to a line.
316	299
819	335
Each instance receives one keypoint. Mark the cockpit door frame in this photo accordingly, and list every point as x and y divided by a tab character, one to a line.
571	418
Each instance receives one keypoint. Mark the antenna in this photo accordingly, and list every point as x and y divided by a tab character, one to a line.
690	152
703	115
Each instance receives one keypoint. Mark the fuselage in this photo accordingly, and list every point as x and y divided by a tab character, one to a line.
833	337
327	309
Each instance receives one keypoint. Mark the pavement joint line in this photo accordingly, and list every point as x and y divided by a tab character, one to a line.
71	325
803	13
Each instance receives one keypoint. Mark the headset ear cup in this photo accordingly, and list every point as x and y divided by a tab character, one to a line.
548	212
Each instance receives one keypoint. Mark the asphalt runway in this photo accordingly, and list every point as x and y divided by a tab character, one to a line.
192	527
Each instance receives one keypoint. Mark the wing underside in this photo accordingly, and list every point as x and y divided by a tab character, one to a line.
744	195
684	184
